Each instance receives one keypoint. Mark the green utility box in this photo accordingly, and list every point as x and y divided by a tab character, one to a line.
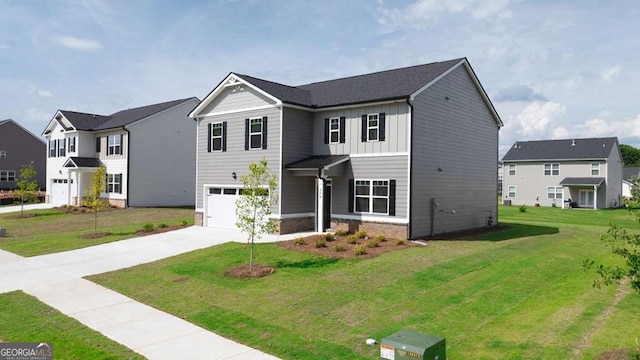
409	344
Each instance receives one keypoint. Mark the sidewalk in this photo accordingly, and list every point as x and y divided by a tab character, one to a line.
56	279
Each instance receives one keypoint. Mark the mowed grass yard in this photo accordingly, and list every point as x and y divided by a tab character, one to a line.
55	230
518	293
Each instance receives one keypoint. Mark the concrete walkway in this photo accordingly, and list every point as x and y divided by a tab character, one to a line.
56	279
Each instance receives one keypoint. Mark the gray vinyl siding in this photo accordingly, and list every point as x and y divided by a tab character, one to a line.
454	157
372	168
396	115
614	178
298	195
22	147
162	151
237	97
217	167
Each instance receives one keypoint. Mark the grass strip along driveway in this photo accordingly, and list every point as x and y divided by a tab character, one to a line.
25	319
518	293
55	230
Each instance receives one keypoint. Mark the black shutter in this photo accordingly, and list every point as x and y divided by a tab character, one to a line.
343	130
364	128
264	132
351	195
381	123
98	144
392	197
121	145
120	187
209	137
326	130
246	134
224	136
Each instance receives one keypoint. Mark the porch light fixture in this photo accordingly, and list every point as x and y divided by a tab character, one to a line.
233	175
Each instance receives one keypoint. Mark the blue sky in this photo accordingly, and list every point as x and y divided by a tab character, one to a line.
553	69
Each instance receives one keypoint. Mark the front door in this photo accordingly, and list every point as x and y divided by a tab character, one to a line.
586	198
326	211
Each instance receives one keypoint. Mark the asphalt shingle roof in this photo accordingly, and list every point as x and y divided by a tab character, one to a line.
566	149
379	86
318	162
593	181
83	162
629	172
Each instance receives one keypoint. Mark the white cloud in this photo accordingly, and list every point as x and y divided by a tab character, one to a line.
4	47
75	43
518	93
536	121
35	114
600	126
611	74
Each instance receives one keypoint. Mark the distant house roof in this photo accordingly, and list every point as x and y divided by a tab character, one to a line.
629	172
85	121
582	181
567	149
318	162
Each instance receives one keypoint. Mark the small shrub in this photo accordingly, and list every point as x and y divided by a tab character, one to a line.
320	243
340	248
361	234
299	241
148	227
359	250
400	242
381	238
342	232
373	243
184	222
329	237
352	239
163	225
522	208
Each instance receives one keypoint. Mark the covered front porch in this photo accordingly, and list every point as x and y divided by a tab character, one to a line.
586	193
80	170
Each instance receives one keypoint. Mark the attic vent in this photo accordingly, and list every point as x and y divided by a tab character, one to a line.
603	145
573	142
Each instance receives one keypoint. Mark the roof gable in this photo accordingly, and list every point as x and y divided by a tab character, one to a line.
15	124
566	149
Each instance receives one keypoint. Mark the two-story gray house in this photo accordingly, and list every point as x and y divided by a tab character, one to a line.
586	173
18	147
148	152
409	152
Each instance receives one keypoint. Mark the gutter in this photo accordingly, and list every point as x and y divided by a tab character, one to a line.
126	200
410	223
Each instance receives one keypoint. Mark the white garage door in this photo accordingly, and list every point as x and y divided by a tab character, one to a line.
59	193
221	207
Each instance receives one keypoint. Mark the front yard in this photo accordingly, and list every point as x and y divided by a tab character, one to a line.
517	293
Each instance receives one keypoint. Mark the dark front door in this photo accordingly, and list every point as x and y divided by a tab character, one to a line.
326	211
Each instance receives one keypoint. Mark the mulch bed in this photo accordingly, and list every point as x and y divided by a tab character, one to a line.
24	216
95	236
158	230
330	250
256	271
617	354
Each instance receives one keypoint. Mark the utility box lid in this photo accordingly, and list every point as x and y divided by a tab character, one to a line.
409	344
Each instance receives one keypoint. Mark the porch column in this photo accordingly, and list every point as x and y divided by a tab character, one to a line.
68	202
78	187
595	197
320	203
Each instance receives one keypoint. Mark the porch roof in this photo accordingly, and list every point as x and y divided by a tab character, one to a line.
318	162
582	181
82	162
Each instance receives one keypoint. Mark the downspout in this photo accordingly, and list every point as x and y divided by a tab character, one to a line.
410	223
126	199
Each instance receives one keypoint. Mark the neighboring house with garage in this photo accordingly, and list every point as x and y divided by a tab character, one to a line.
18	147
148	153
629	176
409	152
584	172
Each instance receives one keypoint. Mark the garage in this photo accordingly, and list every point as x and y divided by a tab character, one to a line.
221	207
59	191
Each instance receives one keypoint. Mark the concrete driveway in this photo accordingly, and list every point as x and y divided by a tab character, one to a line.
56	279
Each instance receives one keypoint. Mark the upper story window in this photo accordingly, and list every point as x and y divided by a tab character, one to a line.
114	145
3	154
62	148
217	137
53	152
98	143
373	127
114	183
7	175
512	169
72	144
551	169
255	133
334	130
595	169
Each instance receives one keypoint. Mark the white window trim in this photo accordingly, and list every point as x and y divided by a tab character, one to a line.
371	196
553	190
376	127
3	154
251	133
551	170
117	144
112	183
221	136
509	191
510	168
334	131
597	169
71	148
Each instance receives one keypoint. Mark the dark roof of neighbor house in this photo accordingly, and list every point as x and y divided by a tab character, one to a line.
318	162
566	149
82	162
84	121
590	181
629	172
379	86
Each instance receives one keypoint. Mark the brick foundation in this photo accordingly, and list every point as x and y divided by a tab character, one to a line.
392	231
288	226
119	203
198	219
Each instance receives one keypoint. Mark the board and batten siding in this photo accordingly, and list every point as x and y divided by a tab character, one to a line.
162	158
371	168
396	132
298	196
237	97
454	158
104	144
217	167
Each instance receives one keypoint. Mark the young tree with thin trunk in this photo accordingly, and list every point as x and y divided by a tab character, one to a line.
255	203
27	185
92	198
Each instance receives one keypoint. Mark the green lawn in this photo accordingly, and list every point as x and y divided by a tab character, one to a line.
518	293
26	319
54	230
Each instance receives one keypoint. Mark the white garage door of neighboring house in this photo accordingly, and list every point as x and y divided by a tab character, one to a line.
221	207
59	193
